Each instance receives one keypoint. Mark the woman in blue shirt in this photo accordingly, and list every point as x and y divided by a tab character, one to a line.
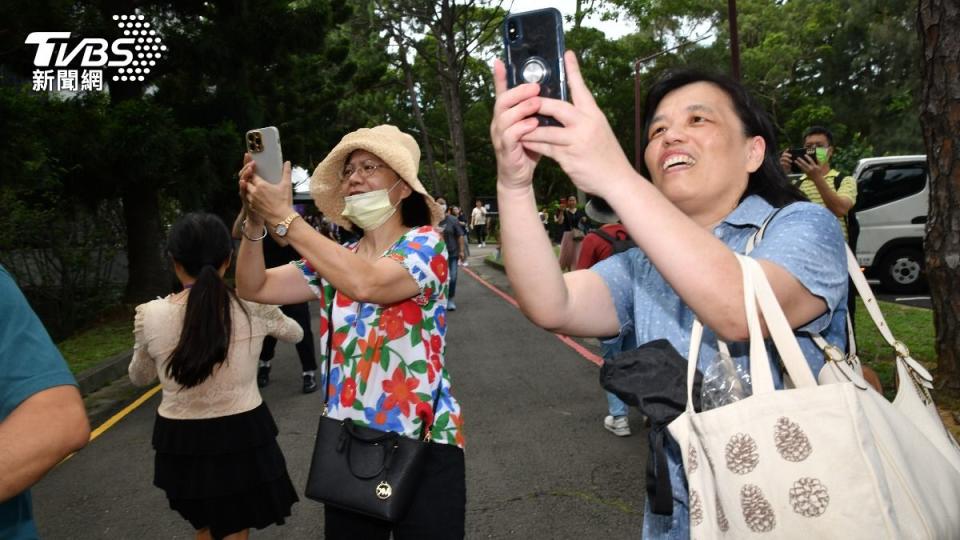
710	158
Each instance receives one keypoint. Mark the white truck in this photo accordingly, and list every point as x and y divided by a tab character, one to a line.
892	203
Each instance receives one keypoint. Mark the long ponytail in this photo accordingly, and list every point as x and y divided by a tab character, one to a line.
201	244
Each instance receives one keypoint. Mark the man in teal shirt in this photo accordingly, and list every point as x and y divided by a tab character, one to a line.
42	417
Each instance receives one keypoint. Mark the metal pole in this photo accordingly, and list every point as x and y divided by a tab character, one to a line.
734	40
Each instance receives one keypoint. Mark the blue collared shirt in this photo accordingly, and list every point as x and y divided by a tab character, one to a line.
803	238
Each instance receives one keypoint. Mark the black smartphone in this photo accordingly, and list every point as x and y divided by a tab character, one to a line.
797	153
533	44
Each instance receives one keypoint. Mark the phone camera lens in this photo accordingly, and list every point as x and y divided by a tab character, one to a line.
512	31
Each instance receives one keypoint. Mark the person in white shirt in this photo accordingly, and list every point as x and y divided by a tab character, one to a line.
478	222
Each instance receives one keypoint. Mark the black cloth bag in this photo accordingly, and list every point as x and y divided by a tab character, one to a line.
653	378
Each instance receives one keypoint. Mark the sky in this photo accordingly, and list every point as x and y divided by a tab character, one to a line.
612	29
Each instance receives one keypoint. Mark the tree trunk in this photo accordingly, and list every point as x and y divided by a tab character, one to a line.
418	116
149	276
449	81
938	24
455	121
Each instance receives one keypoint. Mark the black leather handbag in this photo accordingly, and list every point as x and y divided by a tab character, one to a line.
361	469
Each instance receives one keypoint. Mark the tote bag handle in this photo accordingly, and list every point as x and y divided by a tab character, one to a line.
757	290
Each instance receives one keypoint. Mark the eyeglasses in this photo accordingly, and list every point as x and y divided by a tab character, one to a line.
366	170
814	146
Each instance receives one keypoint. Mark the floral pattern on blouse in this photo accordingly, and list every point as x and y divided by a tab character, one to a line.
388	360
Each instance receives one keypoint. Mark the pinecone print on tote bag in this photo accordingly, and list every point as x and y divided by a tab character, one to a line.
722	517
742	453
757	512
792	442
692	458
809	497
696	508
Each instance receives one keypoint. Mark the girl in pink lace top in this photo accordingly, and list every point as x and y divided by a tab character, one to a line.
217	457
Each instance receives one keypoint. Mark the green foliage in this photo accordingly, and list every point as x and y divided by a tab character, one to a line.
58	238
107	338
849	64
846	157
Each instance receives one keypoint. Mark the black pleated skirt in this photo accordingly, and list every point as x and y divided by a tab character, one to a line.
226	474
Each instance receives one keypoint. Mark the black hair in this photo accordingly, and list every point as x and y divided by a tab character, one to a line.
414	211
768	181
201	244
818	130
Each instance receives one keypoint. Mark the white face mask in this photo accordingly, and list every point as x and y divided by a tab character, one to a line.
370	210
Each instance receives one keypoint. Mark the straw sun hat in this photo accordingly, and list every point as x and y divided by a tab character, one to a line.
397	149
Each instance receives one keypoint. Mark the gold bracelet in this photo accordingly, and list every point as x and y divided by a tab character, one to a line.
243	231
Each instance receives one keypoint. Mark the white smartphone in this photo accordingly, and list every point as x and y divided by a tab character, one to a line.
264	145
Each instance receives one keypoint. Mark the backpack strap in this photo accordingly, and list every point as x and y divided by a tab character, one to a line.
603	234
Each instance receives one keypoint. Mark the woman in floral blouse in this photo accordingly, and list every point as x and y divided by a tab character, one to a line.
389	295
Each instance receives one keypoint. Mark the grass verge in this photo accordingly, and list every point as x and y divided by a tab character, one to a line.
111	334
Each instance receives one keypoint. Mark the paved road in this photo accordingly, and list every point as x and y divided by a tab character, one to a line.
539	463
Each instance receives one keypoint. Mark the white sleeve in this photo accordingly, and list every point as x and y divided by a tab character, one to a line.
282	327
142	368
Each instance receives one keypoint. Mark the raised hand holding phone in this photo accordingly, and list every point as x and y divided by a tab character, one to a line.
584	145
513	117
264	200
797	155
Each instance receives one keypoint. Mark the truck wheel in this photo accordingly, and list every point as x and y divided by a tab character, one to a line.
902	270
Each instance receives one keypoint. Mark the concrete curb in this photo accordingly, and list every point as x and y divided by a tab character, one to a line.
104	373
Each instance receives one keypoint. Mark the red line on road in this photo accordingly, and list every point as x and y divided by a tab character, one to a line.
567	340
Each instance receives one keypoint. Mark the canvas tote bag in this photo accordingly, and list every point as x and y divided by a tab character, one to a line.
913	398
815	461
